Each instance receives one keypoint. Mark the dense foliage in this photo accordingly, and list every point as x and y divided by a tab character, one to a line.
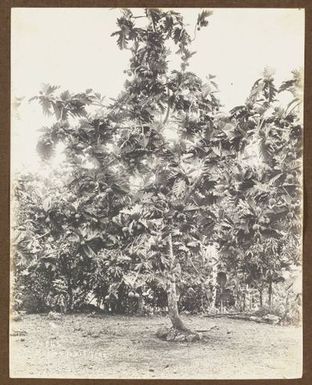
162	195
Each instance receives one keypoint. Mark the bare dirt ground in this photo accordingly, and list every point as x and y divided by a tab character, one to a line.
79	346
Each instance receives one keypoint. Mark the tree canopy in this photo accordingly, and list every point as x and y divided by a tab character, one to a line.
161	185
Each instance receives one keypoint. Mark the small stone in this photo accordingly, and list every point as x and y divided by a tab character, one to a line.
171	335
162	332
192	338
180	338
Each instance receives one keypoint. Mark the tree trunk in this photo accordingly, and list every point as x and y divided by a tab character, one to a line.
221	280
140	305
174	316
221	303
270	292
173	311
70	297
247	298
202	299
238	302
260	298
214	273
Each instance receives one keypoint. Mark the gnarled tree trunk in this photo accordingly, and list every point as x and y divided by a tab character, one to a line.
173	311
174	316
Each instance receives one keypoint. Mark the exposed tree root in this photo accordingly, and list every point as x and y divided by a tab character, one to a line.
178	335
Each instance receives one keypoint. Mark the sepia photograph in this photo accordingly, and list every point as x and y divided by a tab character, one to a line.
156	193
